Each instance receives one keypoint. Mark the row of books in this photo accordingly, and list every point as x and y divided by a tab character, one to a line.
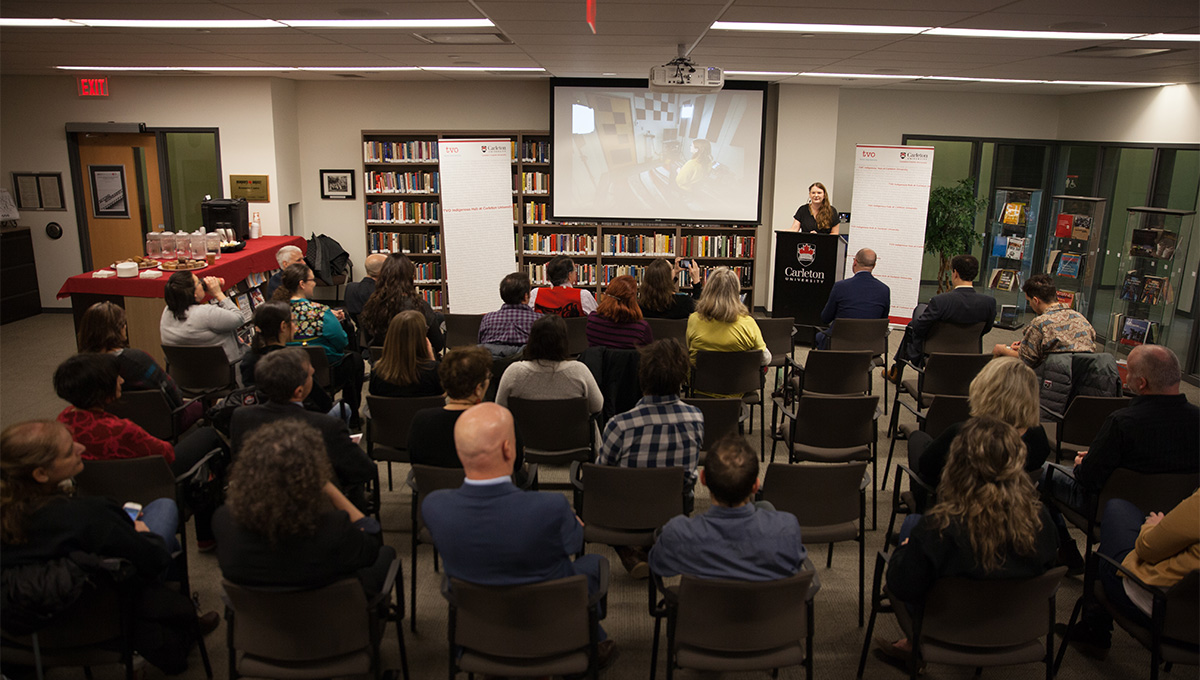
1132	331
717	246
1014	213
1009	247
537	274
248	302
1065	264
640	244
400	152
535	152
1145	289
535	213
1078	227
403	212
431	295
396	242
532	182
1158	243
390	182
557	244
745	274
427	272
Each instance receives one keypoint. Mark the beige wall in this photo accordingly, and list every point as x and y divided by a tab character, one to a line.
1163	115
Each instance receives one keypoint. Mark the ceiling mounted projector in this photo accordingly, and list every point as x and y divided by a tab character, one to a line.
682	75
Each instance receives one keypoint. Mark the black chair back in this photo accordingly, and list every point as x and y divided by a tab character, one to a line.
955	338
462	329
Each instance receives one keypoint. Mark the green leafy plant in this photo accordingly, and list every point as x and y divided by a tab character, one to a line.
950	225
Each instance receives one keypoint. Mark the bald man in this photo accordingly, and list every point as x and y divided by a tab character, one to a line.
861	296
358	293
490	532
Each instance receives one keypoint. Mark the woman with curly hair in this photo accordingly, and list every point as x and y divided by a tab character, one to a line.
395	292
617	322
285	523
659	296
987	524
407	367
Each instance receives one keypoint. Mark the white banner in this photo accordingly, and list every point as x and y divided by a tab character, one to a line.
891	200
477	221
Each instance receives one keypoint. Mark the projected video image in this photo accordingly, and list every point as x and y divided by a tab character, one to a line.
628	153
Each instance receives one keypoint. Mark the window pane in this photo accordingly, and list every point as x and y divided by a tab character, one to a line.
192	172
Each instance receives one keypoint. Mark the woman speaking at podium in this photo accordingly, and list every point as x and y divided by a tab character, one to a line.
818	215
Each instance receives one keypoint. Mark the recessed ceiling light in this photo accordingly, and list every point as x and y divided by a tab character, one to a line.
515	69
860	75
761	73
613	74
1171	37
388	23
358	68
223	69
1027	35
463	38
38	23
377	24
179	23
1105	83
763	26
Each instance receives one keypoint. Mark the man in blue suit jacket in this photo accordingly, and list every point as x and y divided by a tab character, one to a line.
490	532
861	296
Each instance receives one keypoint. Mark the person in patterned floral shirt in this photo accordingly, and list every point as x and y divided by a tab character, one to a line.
1057	328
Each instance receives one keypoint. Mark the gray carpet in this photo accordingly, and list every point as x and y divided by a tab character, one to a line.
30	349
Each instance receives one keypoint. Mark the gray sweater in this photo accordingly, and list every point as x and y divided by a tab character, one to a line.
550	380
205	325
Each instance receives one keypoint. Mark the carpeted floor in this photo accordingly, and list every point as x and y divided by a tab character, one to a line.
30	350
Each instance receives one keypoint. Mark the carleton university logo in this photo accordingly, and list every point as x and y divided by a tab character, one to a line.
483	148
902	154
805	254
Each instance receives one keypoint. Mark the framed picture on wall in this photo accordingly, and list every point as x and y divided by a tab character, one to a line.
108	191
337	184
38	190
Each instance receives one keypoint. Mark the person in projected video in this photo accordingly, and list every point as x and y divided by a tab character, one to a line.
818	215
699	168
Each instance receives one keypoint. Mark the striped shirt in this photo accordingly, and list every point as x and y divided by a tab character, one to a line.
604	332
660	431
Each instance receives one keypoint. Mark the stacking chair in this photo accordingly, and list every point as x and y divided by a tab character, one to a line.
576	335
537	629
946	337
321	374
1076	428
733	373
201	371
868	334
624	505
942	374
974	622
906	502
499	366
151	411
944	410
662	329
375	352
832	371
387	429
777	333
555	431
720	419
830	502
323	632
462	329
425	479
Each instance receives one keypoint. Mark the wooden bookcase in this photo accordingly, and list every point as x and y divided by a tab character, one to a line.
403	211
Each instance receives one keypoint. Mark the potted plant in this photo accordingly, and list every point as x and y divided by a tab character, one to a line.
950	225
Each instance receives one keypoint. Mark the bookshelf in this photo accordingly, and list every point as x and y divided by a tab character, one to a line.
403	213
1010	244
1074	249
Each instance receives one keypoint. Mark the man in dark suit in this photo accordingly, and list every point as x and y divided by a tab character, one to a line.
285	377
359	292
861	296
490	532
960	305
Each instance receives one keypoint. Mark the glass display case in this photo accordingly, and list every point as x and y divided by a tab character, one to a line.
1076	227
1010	244
1151	270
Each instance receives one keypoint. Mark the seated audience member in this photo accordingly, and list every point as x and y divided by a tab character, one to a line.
275	330
103	330
1056	328
284	257
722	323
1159	549
465	373
489	532
547	372
40	523
359	292
407	367
505	331
861	296
659	296
316	324
1159	432
394	293
960	305
660	431
737	539
187	322
987	524
284	377
286	524
562	297
1006	390
617	322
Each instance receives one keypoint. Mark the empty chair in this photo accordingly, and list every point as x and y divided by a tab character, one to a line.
947	337
317	633
720	419
387	429
576	335
555	431
942	374
200	370
777	334
625	506
662	329
829	371
151	411
1075	429
720	373
868	334
944	410
462	329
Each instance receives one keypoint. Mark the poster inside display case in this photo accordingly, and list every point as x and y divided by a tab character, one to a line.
1076	226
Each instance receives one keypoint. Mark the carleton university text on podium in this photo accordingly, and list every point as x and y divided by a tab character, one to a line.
806	267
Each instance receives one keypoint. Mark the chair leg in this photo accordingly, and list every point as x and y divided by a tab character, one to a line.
888	466
403	649
762	427
208	671
862	660
389	475
1062	649
412	592
829	557
654	647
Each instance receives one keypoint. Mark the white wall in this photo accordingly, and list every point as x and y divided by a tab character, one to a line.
1160	115
285	186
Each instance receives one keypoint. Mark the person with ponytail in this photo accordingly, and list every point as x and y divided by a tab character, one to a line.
818	214
186	321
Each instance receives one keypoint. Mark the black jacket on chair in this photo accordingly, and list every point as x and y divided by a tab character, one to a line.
350	463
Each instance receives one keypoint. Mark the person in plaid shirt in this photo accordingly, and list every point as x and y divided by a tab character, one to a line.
505	331
660	431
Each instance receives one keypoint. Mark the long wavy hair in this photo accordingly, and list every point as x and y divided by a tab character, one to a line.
102	328
403	349
290	281
825	217
984	487
658	287
275	485
720	300
25	447
619	302
1007	390
394	293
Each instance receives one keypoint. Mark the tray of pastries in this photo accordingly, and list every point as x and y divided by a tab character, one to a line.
143	263
184	265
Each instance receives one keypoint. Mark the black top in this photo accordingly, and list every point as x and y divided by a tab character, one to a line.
681	307
357	295
427	385
350	463
929	466
1156	433
809	223
141	372
431	439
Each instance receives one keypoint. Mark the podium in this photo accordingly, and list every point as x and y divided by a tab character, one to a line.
807	264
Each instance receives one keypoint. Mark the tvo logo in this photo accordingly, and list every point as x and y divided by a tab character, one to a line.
868	154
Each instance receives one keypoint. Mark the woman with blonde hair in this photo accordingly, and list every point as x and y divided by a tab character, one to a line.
1006	389
659	296
617	322
721	323
987	524
818	214
407	367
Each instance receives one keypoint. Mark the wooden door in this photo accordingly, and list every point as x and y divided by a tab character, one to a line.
115	238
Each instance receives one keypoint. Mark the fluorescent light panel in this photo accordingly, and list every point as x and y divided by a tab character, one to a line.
761	73
1171	37
388	23
377	24
178	23
37	23
866	29
1027	35
890	76
249	69
815	28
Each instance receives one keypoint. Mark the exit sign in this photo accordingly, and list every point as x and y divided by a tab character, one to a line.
93	87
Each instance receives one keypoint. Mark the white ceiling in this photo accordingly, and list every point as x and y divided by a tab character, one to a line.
631	36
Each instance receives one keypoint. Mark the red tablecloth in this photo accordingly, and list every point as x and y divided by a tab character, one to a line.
258	256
